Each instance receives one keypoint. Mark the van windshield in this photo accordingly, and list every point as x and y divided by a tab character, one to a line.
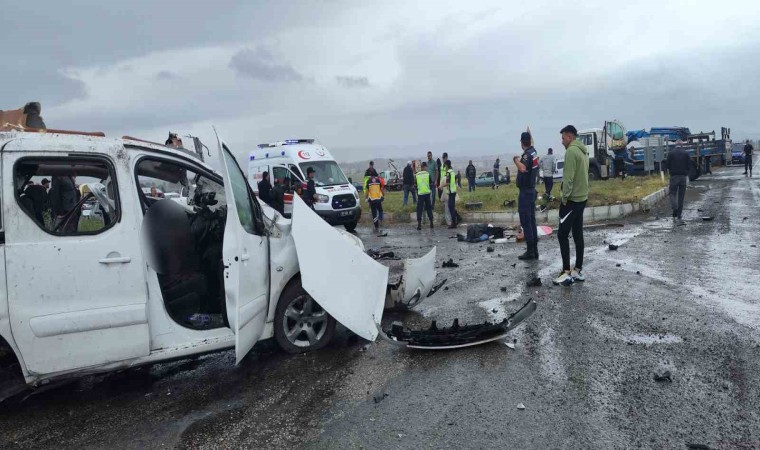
326	173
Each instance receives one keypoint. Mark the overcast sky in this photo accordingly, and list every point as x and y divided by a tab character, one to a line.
383	78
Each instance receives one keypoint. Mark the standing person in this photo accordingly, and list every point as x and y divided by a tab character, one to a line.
265	189
277	196
748	158
459	179
527	167
424	192
440	181
574	190
409	183
470	173
433	172
496	165
369	173
451	186
678	164
311	189
375	193
547	166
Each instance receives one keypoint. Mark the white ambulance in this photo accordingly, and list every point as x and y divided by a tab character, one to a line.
287	161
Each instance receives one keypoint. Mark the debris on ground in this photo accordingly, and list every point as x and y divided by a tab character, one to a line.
613	247
638	272
520	406
379	397
662	376
535	282
376	254
513	265
489	249
510	345
707	218
618	265
457	336
382	234
504	288
449	263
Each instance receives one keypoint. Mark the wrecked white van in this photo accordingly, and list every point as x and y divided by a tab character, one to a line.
150	278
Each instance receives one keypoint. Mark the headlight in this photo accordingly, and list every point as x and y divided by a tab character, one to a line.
321	198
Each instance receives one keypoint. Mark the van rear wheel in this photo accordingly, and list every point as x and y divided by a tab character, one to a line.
300	323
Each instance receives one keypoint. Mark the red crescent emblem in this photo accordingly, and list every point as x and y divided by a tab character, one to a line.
304	155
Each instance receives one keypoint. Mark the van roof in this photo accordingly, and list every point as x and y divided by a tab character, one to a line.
52	140
286	142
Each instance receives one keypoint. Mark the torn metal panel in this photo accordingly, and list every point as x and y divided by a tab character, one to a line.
457	336
416	281
346	282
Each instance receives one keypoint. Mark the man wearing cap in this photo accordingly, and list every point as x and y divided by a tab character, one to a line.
572	204
311	189
368	173
409	183
423	185
527	170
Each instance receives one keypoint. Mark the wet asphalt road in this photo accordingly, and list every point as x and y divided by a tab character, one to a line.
676	298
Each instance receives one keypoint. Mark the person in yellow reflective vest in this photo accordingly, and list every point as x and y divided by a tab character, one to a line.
422	184
375	194
451	186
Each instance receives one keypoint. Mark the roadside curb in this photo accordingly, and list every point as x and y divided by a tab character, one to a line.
594	213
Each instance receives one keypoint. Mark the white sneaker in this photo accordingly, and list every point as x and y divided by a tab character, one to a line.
577	275
564	279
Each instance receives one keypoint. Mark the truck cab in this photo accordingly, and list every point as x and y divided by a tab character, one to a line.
604	145
337	200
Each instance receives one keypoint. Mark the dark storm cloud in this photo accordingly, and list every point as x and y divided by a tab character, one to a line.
167	75
352	82
24	83
260	64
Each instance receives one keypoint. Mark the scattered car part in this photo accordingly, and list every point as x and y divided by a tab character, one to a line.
707	218
520	406
613	247
535	282
456	336
450	263
415	283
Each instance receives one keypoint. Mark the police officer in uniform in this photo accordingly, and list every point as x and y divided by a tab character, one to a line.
527	168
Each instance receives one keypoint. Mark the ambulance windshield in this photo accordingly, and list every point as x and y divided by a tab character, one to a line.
326	173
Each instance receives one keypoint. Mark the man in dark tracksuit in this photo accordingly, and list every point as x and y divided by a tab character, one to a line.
470	174
678	164
527	169
748	158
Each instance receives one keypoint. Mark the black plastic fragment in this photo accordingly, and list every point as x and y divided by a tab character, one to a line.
449	263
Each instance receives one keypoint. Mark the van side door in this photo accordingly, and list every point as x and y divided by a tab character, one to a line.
76	290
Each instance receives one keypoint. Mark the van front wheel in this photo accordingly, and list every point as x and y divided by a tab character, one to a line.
300	323
351	227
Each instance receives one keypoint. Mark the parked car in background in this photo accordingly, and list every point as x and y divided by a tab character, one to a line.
486	179
737	153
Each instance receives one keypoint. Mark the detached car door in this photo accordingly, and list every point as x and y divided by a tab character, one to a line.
246	257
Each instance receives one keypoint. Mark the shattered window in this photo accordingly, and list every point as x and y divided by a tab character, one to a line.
161	179
67	196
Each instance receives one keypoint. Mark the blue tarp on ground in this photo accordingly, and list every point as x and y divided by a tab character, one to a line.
635	135
671	133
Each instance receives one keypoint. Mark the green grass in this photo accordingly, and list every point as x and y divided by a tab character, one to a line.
605	192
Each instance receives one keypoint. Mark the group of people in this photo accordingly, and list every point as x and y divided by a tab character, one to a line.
274	195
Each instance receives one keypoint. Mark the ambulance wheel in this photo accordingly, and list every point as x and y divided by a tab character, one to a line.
351	227
300	323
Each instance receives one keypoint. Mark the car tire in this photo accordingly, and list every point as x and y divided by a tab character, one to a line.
351	227
297	313
593	174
